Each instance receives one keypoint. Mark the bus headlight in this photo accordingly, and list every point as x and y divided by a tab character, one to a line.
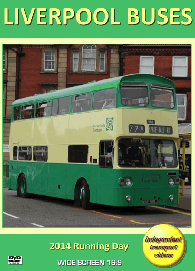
128	198
128	181
171	197
171	181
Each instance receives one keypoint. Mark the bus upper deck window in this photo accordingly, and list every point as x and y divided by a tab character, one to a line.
16	113
43	109
134	94
60	106
104	99
27	111
162	96
81	103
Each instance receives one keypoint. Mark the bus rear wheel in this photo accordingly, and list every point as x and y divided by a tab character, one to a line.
85	195
21	188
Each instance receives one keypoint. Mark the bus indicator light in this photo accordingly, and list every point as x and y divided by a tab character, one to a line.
122	181
177	181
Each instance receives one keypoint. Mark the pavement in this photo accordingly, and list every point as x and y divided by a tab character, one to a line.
184	201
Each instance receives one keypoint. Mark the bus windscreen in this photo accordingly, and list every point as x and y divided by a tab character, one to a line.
153	153
134	94
161	96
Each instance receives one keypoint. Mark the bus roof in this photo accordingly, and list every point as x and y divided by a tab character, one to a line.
93	86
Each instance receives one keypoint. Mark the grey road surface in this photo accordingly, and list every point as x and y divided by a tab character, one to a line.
52	212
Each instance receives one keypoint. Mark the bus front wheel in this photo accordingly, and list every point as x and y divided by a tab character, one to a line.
85	195
21	188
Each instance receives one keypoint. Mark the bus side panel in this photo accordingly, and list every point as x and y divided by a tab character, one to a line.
57	180
106	181
11	175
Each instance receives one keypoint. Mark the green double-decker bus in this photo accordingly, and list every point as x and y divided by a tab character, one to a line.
111	142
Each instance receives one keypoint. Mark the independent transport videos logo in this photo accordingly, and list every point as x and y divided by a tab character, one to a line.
14	259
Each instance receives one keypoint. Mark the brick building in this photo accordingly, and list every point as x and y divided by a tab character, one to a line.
171	61
33	69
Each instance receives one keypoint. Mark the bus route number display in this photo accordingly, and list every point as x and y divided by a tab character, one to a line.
157	129
136	128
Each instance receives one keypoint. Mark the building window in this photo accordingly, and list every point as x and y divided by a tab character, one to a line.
102	61
89	57
4	60
181	106
146	65
180	66
75	61
49	87
49	61
4	99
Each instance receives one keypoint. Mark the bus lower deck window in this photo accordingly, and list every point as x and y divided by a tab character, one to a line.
15	150
40	153
25	153
106	153
77	153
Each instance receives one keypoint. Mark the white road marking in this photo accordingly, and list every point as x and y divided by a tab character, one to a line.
37	225
10	215
18	217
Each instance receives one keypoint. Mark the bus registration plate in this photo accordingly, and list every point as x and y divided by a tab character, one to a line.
149	201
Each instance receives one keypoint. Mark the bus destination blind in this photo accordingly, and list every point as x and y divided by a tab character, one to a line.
157	129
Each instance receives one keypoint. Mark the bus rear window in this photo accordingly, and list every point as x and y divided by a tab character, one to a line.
27	111
16	113
161	96
134	94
